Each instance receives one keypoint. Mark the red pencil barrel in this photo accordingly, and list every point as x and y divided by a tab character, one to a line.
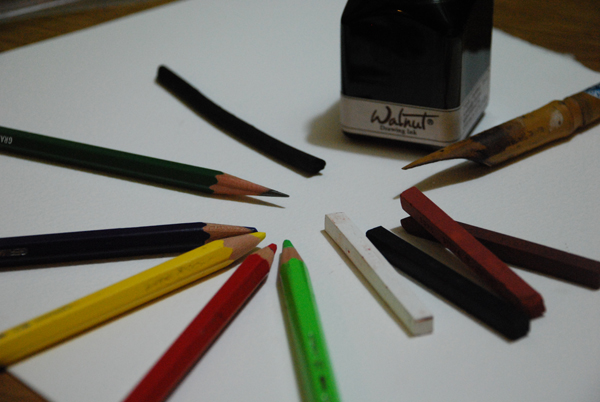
195	340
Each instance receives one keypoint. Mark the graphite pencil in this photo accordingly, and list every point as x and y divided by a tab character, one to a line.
124	164
200	334
112	243
73	318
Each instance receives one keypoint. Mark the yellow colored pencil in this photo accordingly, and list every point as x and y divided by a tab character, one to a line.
57	325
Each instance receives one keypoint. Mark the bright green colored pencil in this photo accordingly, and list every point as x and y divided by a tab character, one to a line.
307	339
129	165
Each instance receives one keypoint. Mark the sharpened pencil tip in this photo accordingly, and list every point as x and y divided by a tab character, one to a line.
274	193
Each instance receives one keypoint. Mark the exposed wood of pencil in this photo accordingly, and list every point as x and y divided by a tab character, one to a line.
217	231
556	120
11	389
526	254
232	185
289	253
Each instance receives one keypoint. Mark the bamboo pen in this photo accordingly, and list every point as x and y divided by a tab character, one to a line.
556	120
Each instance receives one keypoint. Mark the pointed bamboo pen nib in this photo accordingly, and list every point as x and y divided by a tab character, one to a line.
556	120
465	149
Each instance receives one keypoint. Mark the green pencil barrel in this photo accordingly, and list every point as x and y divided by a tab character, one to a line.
310	349
107	160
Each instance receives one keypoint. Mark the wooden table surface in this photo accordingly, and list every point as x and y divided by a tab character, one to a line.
564	26
571	27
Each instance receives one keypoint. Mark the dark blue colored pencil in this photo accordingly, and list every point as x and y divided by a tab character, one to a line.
111	243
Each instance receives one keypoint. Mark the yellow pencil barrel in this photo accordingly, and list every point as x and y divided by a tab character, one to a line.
72	318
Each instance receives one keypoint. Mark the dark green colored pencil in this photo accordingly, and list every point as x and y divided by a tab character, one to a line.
129	165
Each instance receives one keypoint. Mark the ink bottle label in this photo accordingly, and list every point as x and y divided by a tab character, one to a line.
415	70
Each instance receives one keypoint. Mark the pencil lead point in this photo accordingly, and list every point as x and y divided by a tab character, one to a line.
274	193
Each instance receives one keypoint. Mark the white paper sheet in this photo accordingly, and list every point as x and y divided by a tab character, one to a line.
276	65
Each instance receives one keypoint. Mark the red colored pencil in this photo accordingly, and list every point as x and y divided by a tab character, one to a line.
481	260
195	340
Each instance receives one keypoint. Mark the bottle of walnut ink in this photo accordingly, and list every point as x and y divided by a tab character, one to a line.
415	70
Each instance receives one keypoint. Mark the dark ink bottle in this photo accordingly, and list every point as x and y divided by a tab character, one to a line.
415	70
